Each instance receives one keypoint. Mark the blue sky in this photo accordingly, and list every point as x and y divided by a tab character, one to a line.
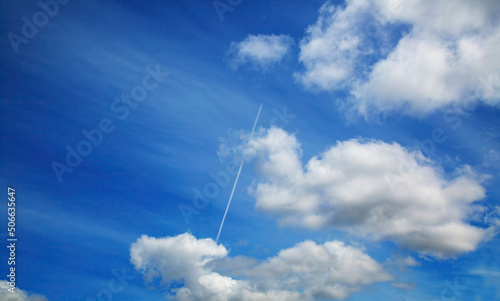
372	173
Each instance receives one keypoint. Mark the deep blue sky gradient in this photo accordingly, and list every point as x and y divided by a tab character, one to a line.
73	234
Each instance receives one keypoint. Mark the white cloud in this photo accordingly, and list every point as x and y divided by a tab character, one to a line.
307	271
186	255
261	51
333	46
372	189
20	295
449	56
406	261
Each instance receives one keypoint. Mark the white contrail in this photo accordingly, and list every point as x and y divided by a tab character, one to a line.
237	177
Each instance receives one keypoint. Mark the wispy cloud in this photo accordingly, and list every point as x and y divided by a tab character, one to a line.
259	51
486	273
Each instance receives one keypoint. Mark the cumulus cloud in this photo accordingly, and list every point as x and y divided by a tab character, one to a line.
261	51
447	56
334	47
20	295
371	188
199	269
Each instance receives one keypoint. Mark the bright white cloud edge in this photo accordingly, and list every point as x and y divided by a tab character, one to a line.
307	271
372	189
20	295
447	58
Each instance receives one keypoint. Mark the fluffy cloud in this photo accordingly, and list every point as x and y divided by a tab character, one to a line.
370	188
199	269
448	56
333	47
20	295
261	51
187	256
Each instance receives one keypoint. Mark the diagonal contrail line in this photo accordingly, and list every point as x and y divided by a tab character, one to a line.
237	177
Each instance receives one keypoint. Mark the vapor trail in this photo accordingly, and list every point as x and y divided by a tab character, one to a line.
237	177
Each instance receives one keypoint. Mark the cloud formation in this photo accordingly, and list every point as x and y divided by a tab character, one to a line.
446	54
260	51
371	189
20	295
199	269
